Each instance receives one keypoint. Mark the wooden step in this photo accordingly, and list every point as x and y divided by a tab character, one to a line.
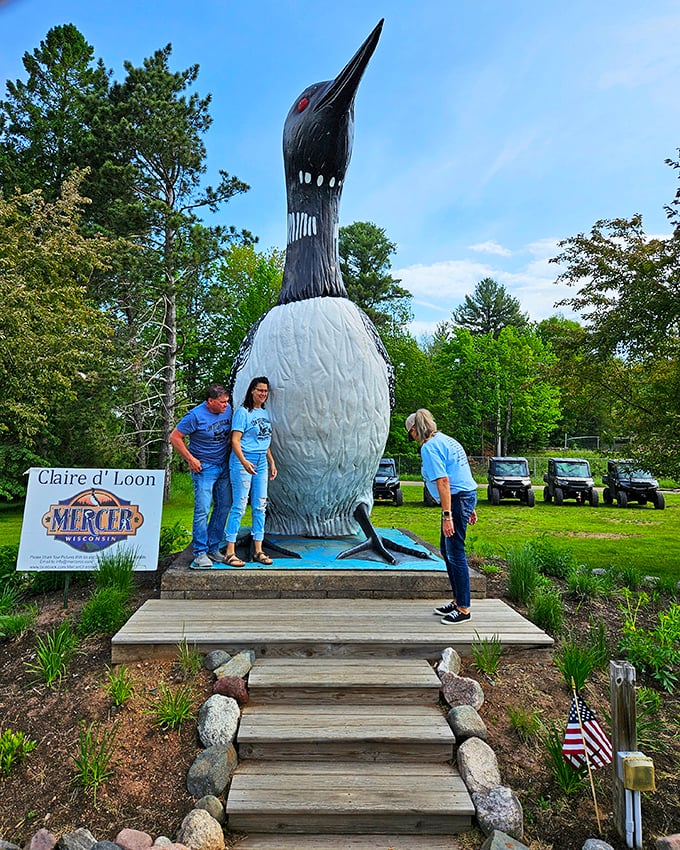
343	797
348	842
325	681
326	733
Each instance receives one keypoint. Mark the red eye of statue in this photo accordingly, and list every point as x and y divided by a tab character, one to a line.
302	104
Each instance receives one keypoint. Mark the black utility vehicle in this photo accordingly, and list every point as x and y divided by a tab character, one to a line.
625	482
509	478
569	478
386	484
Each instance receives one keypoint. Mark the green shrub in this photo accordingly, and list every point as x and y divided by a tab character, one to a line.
597	643
575	662
171	709
570	779
10	596
190	659
627	575
584	584
53	654
105	612
654	651
116	569
486	654
523	574
173	538
119	685
14	747
15	624
95	752
546	610
552	559
8	565
526	724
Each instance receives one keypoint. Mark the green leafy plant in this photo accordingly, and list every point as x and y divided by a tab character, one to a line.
668	586
14	747
119	685
486	654
116	569
173	538
10	596
627	575
597	643
490	569
8	565
651	732
546	609
584	584
190	659
15	624
105	612
171	708
655	651
95	753
526	724
551	559
574	661
53	654
570	779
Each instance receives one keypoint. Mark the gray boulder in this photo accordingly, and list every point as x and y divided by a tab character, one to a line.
79	839
459	690
450	662
502	841
499	809
598	844
478	766
216	659
465	723
200	831
238	666
218	720
42	840
211	771
213	807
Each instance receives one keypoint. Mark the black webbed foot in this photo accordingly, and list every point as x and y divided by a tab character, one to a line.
377	545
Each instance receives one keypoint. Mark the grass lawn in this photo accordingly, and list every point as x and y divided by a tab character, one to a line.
638	535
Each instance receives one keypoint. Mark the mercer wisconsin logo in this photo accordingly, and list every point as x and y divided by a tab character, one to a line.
92	520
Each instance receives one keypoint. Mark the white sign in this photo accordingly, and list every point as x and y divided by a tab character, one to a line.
71	516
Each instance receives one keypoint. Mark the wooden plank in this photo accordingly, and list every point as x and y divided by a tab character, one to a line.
406	823
322	627
348	842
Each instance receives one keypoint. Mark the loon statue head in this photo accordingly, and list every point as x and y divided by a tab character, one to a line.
317	145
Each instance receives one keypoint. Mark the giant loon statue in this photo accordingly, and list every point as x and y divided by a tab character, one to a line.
331	378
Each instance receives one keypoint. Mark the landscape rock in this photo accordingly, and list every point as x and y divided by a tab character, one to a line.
450	662
162	841
211	771
42	840
218	720
459	690
213	807
79	839
465	723
105	845
596	844
499	809
478	767
216	659
668	842
134	839
7	845
239	665
498	840
232	686
200	831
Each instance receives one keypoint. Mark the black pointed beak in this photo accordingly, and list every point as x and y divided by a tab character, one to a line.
340	94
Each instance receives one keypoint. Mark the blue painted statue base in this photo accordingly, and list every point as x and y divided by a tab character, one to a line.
322	553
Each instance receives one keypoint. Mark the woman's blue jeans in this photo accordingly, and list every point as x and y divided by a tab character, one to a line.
453	548
211	487
243	484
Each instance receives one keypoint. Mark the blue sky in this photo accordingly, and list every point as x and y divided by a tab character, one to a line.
486	131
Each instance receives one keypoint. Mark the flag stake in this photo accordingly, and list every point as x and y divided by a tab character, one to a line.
585	750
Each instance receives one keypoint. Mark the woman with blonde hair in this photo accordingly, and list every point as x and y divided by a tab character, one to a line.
447	476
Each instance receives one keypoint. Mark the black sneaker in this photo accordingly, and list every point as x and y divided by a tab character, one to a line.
455	617
449	608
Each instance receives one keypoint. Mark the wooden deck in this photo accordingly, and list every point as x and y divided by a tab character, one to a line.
380	628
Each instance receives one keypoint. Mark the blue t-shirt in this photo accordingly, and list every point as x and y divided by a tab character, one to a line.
255	427
444	457
208	433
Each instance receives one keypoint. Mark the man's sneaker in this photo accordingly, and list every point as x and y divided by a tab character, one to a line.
216	557
449	608
455	617
201	562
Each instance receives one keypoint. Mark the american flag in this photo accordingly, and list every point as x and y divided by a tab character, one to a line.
594	738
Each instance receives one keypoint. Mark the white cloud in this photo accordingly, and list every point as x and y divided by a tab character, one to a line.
490	247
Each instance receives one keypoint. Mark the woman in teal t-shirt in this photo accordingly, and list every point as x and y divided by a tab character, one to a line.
250	466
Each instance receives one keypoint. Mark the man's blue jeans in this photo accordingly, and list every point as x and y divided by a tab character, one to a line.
243	484
453	548
211	487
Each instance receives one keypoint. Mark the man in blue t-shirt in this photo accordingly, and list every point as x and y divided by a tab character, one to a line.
208	427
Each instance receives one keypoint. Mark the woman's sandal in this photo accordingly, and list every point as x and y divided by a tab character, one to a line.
234	561
261	558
